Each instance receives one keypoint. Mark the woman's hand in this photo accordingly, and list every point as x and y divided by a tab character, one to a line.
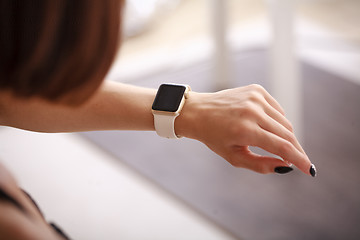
230	121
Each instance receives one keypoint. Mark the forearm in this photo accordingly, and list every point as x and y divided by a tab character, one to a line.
228	122
115	106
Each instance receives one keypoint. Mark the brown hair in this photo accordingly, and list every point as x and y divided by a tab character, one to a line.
49	48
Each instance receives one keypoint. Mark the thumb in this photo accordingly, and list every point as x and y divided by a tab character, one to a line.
243	157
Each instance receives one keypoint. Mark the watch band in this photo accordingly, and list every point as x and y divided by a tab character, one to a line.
164	126
164	121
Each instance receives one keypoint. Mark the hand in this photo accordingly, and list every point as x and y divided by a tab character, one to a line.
230	121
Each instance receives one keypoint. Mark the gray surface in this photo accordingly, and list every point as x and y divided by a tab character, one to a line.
250	205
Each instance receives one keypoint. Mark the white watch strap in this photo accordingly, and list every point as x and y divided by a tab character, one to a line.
164	126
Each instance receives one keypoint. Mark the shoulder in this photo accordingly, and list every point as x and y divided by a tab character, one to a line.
7	180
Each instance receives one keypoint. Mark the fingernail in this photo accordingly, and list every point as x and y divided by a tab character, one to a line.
283	170
289	164
312	170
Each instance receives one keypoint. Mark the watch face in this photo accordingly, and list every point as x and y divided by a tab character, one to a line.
168	97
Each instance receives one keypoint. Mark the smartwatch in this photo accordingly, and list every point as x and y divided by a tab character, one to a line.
169	101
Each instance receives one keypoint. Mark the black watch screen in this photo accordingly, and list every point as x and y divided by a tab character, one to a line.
168	97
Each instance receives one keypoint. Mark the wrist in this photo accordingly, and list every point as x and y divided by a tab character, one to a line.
186	124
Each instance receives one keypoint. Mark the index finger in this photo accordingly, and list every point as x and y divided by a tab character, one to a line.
286	150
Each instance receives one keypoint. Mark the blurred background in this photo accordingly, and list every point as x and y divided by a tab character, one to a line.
306	53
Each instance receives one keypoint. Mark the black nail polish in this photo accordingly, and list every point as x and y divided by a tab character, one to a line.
283	170
312	170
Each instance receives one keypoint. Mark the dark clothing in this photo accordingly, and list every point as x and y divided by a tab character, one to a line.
4	196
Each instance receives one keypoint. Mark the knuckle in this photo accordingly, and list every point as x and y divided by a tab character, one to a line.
257	87
253	112
291	137
248	104
285	149
287	134
254	97
248	108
